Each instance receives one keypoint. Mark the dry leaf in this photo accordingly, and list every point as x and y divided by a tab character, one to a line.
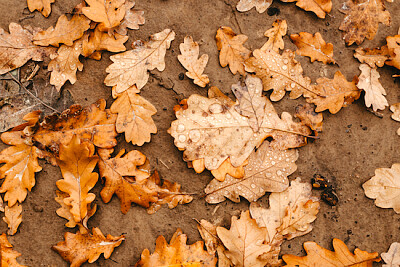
374	91
44	6
134	117
267	171
224	169
319	7
275	34
245	242
384	187
132	20
81	247
13	217
130	68
395	108
260	5
340	257
373	57
393	43
362	19
77	161
65	32
232	52
313	46
190	61
392	257
309	117
333	94
16	48
177	252
108	13
8	255
280	73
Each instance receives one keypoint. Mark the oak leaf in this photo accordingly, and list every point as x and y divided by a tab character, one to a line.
319	7
392	257
132	20
130	68
309	117
373	57
260	5
384	187
177	252
13	218
362	19
232	52
313	46
44	6
16	48
81	247
134	117
341	256
393	43
275	34
333	94
108	13
395	108
8	255
226	168
279	73
374	91
190	61
65	32
267	171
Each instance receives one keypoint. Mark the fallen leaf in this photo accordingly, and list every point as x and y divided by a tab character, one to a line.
395	108
134	117
130	68
132	20
313	46
374	91
267	171
13	218
226	168
384	187
232	52
245	242
108	13
275	34
16	48
393	43
260	5
177	252
81	247
309	117
333	94
44	6
190	61
65	32
8	255
319	7
341	256
280	73
392	257
362	19
373	57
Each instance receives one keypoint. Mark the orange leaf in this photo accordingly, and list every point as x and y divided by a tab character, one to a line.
108	13
319	7
13	218
394	50
373	57
44	6
8	255
313	46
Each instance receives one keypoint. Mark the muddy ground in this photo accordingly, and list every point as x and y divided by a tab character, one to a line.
354	142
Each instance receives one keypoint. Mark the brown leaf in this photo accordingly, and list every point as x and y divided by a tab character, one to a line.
13	217
333	94
362	20
395	108
16	48
232	52
275	34
108	13
341	256
8	255
373	57
309	117
190	61
374	91
226	168
130	68
65	32
132	19
319	7
177	252
81	247
393	43
44	6
313	46
260	5
134	117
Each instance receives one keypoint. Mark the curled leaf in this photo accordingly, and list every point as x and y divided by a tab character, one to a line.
313	46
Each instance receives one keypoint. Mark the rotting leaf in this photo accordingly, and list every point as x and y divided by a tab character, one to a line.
260	5
319	7
44	6
8	255
275	34
108	13
373	57
13	218
313	46
374	91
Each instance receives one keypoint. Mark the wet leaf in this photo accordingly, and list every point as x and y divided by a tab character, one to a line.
373	57
393	43
395	108
392	257
13	218
190	61
309	117
8	255
313	46
226	168
275	34
132	20
44	6
374	91
319	7
108	13
177	252
260	5
232	52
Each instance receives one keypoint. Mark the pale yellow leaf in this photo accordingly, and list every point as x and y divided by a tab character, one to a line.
392	257
260	5
374	91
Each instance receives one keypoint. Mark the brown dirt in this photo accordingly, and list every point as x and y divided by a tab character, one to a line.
353	144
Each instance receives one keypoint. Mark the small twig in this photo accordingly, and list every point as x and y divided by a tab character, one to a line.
35	70
164	164
27	17
30	93
376	113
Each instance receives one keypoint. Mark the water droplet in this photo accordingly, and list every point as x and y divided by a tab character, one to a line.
268	174
253	186
285	61
214	161
279	172
293	85
180	128
273	162
181	138
195	135
239	187
284	67
215	108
